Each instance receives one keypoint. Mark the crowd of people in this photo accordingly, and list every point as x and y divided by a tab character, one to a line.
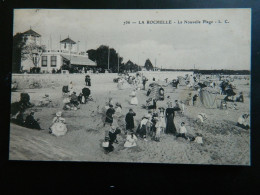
157	120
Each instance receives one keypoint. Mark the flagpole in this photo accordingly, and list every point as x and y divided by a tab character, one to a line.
118	62
108	58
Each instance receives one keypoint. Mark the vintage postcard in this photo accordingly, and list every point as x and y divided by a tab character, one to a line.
137	86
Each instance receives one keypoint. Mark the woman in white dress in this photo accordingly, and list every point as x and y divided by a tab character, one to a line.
120	84
58	126
134	100
130	140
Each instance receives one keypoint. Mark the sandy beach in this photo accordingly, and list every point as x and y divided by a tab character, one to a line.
224	142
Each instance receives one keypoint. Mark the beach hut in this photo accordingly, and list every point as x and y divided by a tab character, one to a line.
208	97
156	92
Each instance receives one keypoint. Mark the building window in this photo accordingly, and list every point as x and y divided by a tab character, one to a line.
53	61
44	61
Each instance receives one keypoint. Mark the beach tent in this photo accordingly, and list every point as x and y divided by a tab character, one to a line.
182	81
155	91
208	97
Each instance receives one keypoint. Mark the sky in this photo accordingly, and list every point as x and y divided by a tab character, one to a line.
224	45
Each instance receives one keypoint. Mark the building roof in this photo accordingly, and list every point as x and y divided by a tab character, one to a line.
31	32
79	60
68	40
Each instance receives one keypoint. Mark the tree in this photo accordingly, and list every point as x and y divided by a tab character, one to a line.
18	44
33	52
130	66
148	65
100	56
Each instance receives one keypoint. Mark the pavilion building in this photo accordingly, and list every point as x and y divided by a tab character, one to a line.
31	60
48	60
68	55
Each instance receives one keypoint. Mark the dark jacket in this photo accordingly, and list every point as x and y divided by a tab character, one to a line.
109	115
129	119
30	122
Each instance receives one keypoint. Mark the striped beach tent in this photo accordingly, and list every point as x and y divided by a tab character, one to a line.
208	97
155	91
154	87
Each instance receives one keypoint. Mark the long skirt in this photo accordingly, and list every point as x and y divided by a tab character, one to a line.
162	120
58	129
170	127
134	101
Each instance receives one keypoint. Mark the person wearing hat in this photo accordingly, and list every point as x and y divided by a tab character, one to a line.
31	123
118	113
130	140
141	130
86	93
170	113
149	122
113	132
154	121
129	119
182	131
109	115
240	98
198	138
74	99
19	118
81	98
118	108
134	100
88	80
58	126
144	82
243	121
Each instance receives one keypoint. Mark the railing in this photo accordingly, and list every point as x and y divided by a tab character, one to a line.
66	52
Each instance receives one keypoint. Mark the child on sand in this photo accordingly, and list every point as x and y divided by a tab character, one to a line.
58	126
198	138
182	131
113	132
243	121
118	109
202	117
130	140
158	130
107	145
149	122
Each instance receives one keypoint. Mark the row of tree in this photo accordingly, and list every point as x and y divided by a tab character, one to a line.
108	58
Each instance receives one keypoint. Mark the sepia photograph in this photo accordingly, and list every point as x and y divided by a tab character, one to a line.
133	86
